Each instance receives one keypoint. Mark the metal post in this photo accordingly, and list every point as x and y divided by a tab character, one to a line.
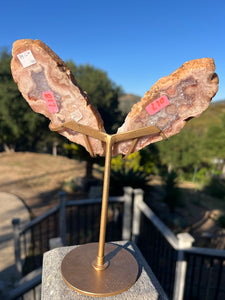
138	197
75	278
17	248
127	225
100	262
185	240
62	217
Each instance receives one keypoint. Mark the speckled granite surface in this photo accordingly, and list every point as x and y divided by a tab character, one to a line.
54	287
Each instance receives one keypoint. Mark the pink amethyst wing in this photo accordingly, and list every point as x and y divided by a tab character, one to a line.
49	87
171	102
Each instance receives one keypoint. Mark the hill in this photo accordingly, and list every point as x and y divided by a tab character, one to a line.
126	101
212	116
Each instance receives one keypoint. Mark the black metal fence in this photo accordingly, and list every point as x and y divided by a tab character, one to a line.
83	222
35	237
82	219
159	254
205	277
184	272
30	289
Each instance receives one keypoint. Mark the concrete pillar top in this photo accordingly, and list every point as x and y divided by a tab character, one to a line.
53	286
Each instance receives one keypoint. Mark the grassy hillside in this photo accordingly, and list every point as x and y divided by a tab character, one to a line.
127	101
212	116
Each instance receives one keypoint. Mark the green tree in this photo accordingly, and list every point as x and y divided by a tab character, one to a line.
214	140
104	95
183	151
20	127
173	195
129	172
150	160
214	143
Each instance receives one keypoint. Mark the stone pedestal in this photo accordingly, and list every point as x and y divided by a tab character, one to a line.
54	287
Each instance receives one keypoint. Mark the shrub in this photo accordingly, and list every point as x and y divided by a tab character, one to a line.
69	185
221	221
127	173
173	195
215	187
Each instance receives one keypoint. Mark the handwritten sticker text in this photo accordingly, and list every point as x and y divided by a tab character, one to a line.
157	105
50	101
26	58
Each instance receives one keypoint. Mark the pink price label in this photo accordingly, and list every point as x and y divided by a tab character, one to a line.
157	105
50	101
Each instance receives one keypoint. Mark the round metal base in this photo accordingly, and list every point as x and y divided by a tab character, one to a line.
78	271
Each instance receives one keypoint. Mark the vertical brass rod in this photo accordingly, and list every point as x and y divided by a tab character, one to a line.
105	195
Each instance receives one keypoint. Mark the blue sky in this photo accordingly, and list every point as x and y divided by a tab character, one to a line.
135	42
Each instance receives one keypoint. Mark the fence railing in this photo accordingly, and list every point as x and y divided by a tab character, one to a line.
29	287
75	222
205	276
185	272
32	240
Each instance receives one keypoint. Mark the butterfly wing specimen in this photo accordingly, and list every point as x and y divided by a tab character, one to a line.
171	102
49	87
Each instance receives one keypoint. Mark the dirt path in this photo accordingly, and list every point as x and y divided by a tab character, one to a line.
197	213
10	207
36	179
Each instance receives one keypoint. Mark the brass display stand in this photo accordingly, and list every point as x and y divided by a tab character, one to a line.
102	269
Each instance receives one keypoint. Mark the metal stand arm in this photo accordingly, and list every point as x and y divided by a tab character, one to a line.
122	269
110	140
